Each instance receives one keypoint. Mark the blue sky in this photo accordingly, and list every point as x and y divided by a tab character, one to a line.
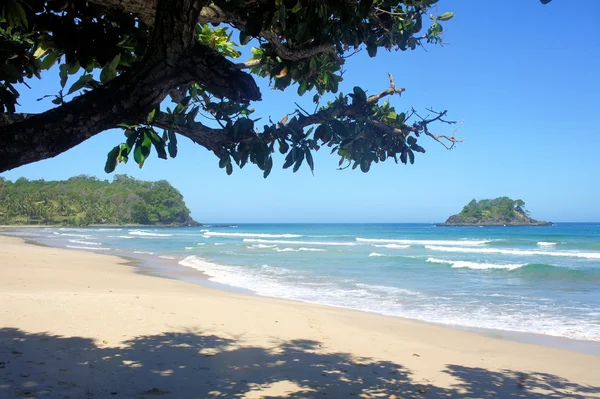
522	76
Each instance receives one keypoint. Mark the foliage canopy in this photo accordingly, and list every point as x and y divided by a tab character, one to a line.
119	59
84	200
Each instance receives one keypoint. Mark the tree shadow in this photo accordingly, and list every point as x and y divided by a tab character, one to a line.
201	365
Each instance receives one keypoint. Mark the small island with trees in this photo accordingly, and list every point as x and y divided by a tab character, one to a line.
501	211
85	200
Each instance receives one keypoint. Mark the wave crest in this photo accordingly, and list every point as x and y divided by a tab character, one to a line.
522	252
253	235
424	242
474	265
333	243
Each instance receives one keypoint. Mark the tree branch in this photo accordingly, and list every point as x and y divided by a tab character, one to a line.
146	10
215	140
174	59
288	54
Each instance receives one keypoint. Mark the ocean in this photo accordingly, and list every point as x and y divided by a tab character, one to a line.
541	280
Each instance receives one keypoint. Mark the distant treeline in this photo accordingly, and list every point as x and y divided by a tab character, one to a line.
85	200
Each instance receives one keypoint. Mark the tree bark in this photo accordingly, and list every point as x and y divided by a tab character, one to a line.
173	59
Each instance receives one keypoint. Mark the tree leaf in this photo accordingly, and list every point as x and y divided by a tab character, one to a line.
299	157
309	160
447	16
403	156
411	156
244	38
172	146
360	94
159	145
109	72
111	159
81	82
63	73
365	166
49	60
283	147
268	167
289	159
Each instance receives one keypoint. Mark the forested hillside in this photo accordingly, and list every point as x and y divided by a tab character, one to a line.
85	200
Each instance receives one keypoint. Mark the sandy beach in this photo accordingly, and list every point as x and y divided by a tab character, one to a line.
75	324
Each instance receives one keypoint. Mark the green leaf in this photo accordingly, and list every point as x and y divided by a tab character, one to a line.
81	83
109	72
243	125
282	16
283	147
360	94
299	157
268	167
411	140
297	7
365	165
417	148
372	49
411	157
309	160
63	73
151	116
142	149
111	159
303	86
74	68
172	146
338	128
244	38
289	159
447	16
49	60
158	144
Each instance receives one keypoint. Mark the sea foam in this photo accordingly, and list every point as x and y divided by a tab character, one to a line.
253	235
523	252
144	233
424	242
475	265
75	241
298	250
391	246
90	248
259	240
375	254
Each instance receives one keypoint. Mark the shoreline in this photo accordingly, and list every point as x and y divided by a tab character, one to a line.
172	269
75	322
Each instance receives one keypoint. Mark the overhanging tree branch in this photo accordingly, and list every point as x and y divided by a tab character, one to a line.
173	59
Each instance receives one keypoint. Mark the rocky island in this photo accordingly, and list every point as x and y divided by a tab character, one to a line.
86	200
501	211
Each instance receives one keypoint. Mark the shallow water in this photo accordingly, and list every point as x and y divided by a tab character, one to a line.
543	280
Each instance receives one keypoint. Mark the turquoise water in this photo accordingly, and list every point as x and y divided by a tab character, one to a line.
543	280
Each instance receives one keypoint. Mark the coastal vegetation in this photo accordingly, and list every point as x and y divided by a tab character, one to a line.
494	212
118	61
85	200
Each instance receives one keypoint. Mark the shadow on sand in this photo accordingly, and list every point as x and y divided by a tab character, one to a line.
196	365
